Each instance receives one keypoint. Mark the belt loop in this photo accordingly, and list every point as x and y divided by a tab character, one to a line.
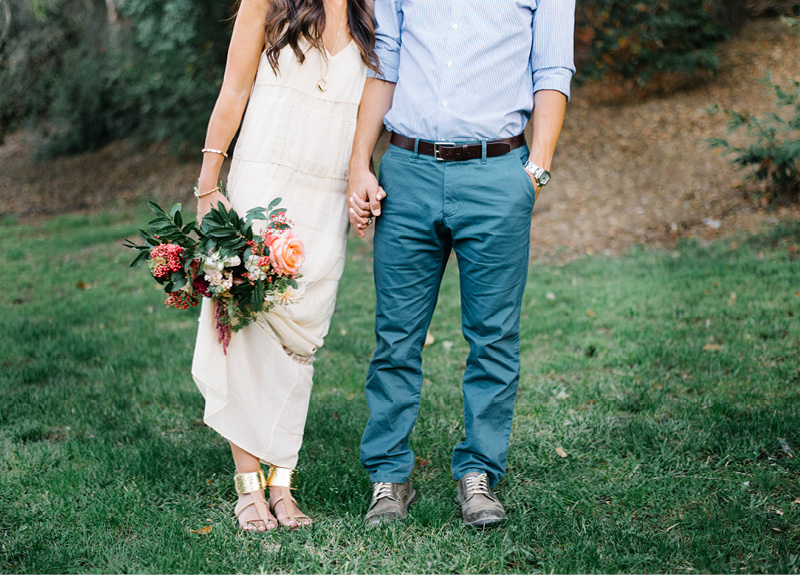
483	151
416	149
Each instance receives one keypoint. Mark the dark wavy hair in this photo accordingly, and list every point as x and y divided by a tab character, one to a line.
290	20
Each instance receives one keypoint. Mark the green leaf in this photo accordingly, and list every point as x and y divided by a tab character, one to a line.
141	257
257	297
274	203
175	210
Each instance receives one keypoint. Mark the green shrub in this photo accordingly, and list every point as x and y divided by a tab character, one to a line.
175	67
82	82
647	42
774	147
41	34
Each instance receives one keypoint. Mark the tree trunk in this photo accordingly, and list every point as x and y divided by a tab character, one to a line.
113	13
114	24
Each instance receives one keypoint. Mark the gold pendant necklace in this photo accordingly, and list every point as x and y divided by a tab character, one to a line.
322	85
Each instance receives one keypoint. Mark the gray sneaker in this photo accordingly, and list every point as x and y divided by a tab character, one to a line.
479	505
390	502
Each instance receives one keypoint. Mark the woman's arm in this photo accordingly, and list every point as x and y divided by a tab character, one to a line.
244	53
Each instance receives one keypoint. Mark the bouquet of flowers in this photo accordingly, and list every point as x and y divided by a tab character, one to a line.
243	273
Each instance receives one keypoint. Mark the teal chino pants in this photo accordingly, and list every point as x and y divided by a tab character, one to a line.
481	209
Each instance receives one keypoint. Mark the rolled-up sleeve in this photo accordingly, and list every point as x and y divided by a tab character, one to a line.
388	22
552	51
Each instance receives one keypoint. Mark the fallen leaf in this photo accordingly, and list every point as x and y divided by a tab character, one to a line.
732	299
447	345
712	347
560	452
590	313
777	530
550	295
796	501
562	395
336	415
429	339
83	285
343	331
203	530
779	511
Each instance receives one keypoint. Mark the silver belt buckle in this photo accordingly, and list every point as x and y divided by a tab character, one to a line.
437	145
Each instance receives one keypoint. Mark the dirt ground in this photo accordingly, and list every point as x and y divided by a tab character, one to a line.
625	173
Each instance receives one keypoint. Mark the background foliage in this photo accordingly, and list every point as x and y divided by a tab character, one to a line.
647	41
774	143
85	72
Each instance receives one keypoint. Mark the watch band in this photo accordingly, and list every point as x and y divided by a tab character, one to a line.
541	175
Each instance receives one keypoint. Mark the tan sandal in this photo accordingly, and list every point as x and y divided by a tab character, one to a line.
285	477
250	484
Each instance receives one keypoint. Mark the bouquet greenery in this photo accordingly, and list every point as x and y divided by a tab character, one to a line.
223	259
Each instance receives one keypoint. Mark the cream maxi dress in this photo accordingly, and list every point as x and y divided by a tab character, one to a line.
294	144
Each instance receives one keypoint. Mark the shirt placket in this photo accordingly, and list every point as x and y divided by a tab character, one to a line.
445	62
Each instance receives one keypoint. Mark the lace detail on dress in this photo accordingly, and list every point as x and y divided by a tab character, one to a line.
301	359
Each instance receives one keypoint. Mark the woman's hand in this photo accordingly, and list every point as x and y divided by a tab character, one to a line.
364	199
209	201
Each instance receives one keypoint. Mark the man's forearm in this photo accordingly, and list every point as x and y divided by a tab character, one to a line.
375	103
548	118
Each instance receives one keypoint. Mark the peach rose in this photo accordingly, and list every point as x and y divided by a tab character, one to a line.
287	254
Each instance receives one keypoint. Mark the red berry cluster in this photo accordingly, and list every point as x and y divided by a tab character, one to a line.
181	299
165	259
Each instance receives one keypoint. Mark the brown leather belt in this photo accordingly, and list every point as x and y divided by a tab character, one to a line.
454	152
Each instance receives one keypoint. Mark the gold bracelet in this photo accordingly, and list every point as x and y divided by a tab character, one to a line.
213	151
198	195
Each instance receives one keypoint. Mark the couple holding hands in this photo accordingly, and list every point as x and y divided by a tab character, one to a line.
312	84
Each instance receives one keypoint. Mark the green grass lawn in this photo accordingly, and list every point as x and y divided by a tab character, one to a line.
670	380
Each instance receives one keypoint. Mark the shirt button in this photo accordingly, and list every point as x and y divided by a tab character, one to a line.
444	102
455	26
450	63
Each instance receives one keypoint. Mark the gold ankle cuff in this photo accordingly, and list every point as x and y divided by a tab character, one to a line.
249	482
282	477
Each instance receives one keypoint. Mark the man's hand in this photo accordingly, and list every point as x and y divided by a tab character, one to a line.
364	199
536	187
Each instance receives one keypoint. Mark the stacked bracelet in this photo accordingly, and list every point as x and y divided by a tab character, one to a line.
213	151
197	193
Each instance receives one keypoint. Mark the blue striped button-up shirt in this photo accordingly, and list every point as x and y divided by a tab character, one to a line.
468	69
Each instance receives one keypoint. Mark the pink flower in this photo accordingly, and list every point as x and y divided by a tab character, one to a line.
287	254
269	237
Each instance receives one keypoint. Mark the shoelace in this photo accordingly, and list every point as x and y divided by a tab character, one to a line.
382	490
477	485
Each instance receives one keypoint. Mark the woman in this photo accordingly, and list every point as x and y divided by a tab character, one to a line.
302	66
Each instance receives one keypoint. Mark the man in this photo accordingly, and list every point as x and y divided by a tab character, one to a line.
457	84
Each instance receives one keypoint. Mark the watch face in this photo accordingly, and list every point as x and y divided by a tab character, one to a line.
543	178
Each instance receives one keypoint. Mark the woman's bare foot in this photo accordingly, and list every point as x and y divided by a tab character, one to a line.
253	513
285	508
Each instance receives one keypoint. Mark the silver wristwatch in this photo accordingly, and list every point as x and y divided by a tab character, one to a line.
541	175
